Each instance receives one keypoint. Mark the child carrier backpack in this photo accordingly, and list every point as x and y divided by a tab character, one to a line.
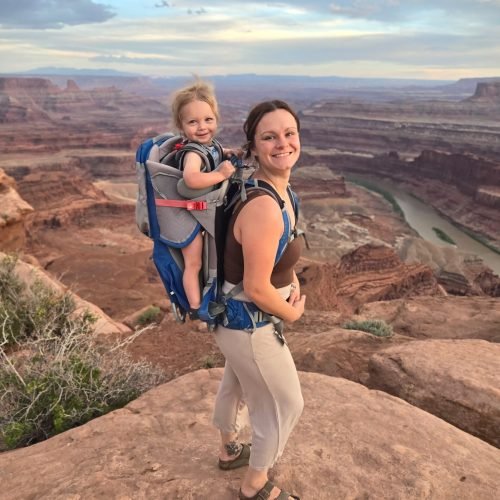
172	215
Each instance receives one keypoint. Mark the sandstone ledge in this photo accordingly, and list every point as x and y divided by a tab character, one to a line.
350	443
457	380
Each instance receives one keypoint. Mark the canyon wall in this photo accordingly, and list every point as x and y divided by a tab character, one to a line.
446	153
36	116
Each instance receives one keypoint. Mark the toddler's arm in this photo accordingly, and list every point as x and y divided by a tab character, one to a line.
196	179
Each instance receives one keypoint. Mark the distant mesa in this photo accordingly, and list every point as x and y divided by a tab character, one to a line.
487	91
71	86
38	85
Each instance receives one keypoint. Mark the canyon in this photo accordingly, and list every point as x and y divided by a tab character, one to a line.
67	191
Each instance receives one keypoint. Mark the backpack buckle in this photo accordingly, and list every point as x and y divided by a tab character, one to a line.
196	205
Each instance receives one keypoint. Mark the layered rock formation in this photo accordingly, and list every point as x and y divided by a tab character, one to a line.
463	187
408	127
369	273
13	212
457	272
345	446
445	153
70	118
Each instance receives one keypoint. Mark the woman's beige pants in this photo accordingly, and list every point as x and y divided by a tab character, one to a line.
260	371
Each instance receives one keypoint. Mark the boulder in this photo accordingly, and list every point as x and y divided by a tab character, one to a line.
457	380
338	352
350	443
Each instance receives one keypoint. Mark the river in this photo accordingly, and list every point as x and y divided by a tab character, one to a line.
422	218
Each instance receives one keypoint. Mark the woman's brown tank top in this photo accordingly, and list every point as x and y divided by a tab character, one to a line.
282	274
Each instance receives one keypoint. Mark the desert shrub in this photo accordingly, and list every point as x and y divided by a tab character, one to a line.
54	374
208	362
35	312
150	315
376	327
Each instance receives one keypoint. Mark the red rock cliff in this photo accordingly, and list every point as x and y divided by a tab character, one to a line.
466	171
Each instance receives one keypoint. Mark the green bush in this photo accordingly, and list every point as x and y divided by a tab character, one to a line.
54	374
376	327
443	236
150	315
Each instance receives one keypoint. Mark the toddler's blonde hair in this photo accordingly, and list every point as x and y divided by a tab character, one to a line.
197	91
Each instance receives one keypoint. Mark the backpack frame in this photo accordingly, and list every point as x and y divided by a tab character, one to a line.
172	222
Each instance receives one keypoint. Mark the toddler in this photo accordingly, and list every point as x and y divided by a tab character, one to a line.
195	114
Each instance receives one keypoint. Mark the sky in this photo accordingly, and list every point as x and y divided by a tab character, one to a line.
424	39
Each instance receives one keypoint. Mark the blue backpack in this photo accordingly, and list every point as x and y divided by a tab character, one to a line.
171	215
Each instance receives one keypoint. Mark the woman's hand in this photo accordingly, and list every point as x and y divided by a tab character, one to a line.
299	306
294	290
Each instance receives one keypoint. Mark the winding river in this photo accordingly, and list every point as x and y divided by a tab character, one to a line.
422	218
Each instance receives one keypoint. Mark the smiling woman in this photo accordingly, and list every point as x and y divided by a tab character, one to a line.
259	366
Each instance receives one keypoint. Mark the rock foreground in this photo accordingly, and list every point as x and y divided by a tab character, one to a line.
163	446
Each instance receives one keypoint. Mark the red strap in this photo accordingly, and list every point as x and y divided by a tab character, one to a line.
187	204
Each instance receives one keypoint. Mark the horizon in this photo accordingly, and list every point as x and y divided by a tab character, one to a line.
445	40
54	72
111	73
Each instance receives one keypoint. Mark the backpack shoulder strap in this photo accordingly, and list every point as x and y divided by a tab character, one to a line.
295	202
204	152
219	148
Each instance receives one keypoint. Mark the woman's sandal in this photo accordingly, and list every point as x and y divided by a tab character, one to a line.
240	461
264	493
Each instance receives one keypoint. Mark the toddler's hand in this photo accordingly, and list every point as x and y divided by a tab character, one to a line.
226	168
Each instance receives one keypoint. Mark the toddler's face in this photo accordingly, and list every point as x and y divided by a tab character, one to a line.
199	122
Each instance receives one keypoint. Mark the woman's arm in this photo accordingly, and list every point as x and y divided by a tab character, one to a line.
258	229
196	179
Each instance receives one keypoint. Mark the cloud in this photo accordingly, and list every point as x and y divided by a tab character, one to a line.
46	14
254	36
451	12
158	61
484	11
429	50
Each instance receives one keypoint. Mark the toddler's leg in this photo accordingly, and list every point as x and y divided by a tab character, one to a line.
192	254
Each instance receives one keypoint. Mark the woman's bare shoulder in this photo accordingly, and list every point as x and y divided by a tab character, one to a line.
264	207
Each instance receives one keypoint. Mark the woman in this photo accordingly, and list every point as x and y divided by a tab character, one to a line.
259	367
